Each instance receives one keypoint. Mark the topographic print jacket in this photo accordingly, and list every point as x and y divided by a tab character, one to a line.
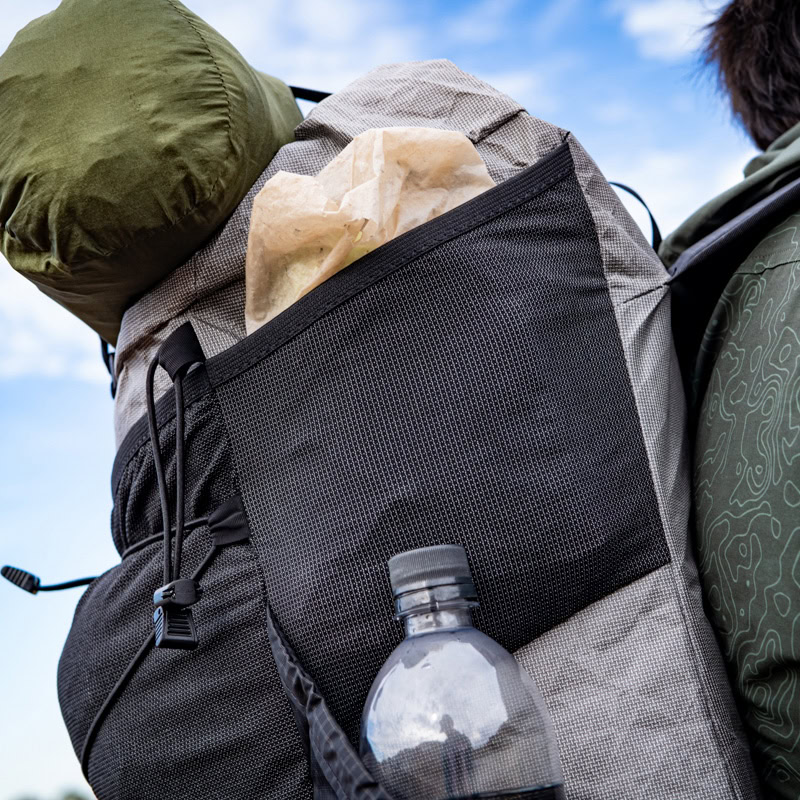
747	467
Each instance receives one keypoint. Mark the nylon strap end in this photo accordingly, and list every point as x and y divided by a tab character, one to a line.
228	523
180	350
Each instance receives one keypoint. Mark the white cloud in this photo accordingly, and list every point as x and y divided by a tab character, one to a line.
39	337
318	44
554	18
482	23
674	183
667	30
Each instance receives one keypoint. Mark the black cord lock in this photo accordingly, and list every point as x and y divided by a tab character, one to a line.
172	618
174	628
180	594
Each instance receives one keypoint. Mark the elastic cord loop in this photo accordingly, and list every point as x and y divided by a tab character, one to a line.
188	526
133	664
179	474
159	467
57	587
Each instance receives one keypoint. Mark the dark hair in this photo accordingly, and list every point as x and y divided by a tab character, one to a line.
754	45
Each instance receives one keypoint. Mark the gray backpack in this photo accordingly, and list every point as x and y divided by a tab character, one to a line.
502	377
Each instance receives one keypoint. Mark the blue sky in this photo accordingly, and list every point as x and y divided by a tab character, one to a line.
621	74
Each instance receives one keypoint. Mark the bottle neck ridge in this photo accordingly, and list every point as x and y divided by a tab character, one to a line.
436	608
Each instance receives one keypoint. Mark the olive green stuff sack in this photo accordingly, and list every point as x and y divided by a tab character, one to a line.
129	132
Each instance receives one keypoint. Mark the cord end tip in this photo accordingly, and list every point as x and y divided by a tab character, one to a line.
19	577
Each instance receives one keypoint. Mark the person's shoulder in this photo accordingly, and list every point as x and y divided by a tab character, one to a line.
780	247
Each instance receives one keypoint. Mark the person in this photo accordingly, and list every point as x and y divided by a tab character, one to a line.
747	443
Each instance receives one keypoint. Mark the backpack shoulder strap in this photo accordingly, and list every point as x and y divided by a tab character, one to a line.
702	271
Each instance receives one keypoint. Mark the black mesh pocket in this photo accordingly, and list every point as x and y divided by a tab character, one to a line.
463	383
210	723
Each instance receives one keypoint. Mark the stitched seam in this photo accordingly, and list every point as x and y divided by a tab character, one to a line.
663	285
216	68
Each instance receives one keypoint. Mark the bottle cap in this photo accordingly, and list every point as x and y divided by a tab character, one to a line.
440	565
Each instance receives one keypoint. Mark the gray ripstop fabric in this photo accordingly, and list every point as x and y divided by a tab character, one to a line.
596	668
638	287
486	340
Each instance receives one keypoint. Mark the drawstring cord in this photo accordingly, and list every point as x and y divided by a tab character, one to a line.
159	466
29	582
179	473
174	625
172	567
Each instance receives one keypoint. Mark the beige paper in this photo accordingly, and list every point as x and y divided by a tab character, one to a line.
384	183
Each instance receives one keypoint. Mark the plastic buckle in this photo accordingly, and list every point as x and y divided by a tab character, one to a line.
175	628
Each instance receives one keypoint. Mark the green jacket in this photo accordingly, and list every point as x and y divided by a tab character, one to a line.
747	468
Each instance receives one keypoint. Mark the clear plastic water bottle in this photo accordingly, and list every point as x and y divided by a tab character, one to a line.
452	714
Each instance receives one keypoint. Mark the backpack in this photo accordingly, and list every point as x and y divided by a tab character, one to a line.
502	377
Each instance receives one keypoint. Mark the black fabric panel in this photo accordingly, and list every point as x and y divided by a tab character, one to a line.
203	724
206	714
477	395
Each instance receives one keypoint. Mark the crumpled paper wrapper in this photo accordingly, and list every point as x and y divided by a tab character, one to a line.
384	183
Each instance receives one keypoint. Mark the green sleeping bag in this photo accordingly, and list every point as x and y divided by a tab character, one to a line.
129	132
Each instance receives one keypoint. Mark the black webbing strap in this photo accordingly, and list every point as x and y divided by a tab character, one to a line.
221	523
332	755
228	523
108	360
312	95
656	239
